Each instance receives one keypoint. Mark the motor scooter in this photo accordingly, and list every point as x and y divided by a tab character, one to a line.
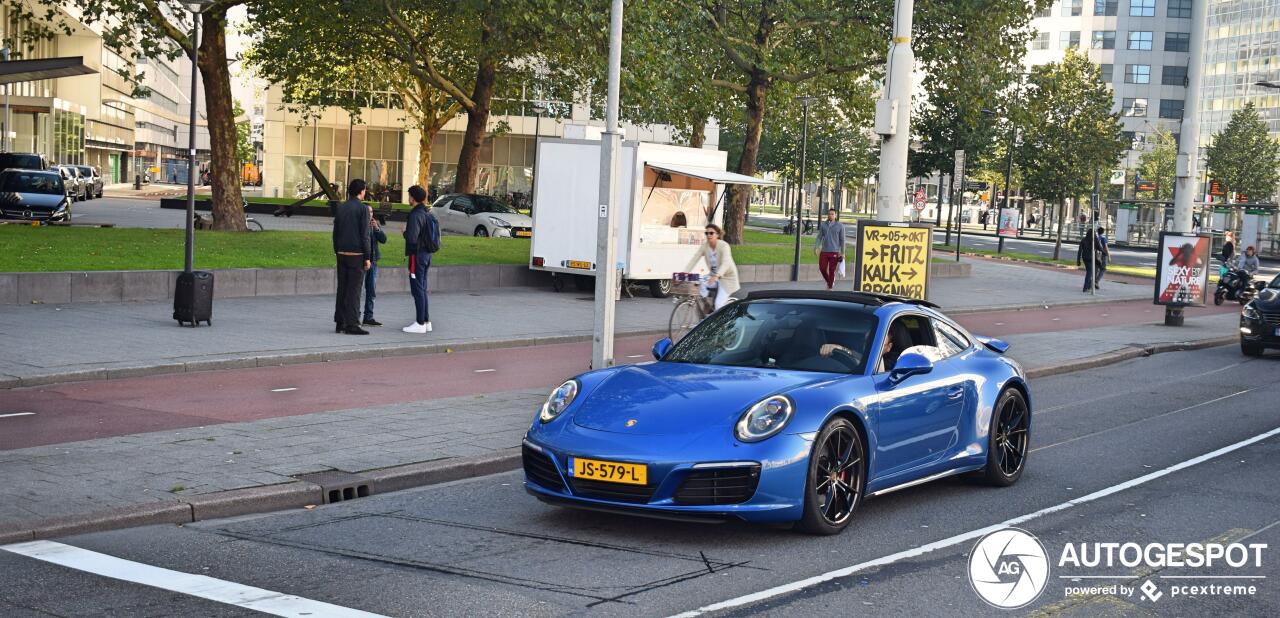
1236	284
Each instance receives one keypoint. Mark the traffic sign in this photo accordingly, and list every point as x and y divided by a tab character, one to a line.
974	185
893	258
958	176
920	198
1117	177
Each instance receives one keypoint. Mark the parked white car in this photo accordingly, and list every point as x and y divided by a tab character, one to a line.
480	215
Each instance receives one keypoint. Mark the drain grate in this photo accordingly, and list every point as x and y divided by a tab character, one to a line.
338	486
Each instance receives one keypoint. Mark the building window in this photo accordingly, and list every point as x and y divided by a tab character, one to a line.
1137	74
1107	72
1142	8
1173	76
1105	8
1104	39
1134	107
1128	137
1177	41
1045	12
1171	108
1180	8
1041	41
1072	8
1140	40
1069	39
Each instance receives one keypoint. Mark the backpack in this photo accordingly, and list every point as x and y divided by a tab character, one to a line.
427	241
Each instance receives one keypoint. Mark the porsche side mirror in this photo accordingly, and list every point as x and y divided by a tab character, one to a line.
910	364
661	347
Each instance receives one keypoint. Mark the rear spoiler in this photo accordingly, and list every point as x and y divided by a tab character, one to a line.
993	344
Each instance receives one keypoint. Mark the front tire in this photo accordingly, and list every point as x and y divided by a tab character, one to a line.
660	288
482	232
1008	439
1250	349
836	479
1218	296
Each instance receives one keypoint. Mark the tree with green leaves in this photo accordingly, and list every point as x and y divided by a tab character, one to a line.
162	29
1160	164
1069	132
1244	158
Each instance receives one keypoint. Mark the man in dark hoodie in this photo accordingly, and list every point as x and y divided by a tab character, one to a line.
351	247
421	240
376	237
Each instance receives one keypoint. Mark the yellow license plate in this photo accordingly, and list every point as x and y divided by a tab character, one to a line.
579	264
523	234
609	471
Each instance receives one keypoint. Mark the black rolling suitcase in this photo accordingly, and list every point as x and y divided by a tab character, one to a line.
193	298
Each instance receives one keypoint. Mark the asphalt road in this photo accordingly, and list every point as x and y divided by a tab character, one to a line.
1126	443
98	409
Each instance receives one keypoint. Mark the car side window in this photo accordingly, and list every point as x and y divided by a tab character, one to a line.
950	341
904	332
460	204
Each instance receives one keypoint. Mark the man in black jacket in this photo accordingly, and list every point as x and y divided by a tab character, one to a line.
351	247
376	237
421	239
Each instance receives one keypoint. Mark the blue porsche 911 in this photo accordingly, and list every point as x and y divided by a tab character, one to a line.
788	406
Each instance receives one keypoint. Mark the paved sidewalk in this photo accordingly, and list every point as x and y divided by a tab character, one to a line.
52	343
163	476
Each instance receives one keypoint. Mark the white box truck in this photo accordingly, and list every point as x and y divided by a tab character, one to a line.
666	196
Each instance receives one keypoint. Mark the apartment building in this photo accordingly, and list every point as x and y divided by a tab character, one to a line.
1141	47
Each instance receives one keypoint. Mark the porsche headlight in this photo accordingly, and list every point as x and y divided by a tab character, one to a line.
558	400
1250	312
499	222
764	419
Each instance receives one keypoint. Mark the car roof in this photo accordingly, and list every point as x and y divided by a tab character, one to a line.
863	298
30	171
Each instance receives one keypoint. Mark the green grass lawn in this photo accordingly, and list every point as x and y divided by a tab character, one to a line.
52	248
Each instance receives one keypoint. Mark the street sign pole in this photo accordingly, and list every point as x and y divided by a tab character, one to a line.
893	117
957	188
606	240
1189	139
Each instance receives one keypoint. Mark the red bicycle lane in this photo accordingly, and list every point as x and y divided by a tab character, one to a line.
97	409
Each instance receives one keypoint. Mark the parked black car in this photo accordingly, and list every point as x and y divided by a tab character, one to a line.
92	180
1260	321
34	195
22	160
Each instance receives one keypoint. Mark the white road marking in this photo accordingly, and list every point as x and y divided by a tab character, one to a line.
1144	419
17	414
284	390
1213	577
485	370
636	356
972	534
231	593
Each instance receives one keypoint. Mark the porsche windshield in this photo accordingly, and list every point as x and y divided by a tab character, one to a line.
803	335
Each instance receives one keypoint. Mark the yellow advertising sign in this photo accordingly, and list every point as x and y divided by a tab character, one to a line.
893	258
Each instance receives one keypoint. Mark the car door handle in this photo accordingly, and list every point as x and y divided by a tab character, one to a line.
955	392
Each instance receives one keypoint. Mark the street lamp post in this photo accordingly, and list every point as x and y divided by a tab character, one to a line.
189	261
804	146
606	230
8	120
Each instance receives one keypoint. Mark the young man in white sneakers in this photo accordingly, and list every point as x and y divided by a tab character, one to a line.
421	240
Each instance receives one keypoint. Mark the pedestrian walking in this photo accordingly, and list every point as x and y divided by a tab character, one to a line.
1087	256
351	248
719	258
421	240
1228	247
376	237
829	245
1104	258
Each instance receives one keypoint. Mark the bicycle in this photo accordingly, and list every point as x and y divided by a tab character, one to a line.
690	306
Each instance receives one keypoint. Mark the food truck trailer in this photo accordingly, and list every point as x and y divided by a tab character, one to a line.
666	195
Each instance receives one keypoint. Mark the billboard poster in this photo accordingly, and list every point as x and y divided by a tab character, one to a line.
893	258
1009	222
1182	272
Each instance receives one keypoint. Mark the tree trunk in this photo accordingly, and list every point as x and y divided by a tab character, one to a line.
224	175
1062	217
698	131
736	214
426	136
477	128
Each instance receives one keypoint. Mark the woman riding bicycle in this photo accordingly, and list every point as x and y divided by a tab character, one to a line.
719	259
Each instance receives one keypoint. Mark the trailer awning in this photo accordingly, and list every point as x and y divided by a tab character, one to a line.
714	175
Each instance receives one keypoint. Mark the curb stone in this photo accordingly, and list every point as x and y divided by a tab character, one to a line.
299	494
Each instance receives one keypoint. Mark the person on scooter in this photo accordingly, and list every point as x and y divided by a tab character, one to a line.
1248	262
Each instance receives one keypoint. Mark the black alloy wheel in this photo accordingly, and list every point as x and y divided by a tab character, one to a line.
1007	453
482	232
837	477
660	288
